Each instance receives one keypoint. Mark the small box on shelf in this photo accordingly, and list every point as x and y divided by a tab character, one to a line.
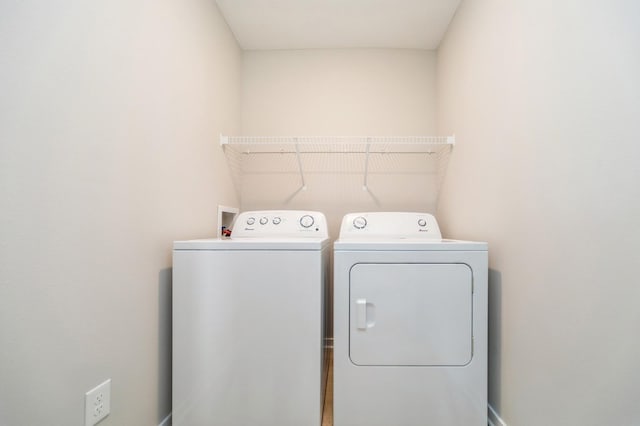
226	217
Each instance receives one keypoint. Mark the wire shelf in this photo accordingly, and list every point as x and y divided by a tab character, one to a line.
337	155
335	144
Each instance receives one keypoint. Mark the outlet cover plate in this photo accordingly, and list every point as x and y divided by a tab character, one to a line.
97	403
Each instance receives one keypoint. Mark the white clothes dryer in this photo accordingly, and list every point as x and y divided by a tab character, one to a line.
410	324
248	323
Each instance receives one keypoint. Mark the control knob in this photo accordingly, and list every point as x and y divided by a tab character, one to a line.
359	222
306	221
422	222
251	221
277	220
263	221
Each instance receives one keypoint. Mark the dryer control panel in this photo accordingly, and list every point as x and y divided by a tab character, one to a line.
390	225
280	224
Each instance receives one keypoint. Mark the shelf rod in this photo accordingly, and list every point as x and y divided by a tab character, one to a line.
418	140
239	140
339	152
304	185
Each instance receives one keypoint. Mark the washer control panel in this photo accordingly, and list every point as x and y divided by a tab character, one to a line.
280	224
390	225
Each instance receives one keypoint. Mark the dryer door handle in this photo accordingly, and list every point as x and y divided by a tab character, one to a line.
361	314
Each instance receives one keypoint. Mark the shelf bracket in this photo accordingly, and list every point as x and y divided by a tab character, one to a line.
451	140
366	166
304	185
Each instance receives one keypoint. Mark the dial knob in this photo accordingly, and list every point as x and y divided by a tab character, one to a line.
359	222
306	221
263	221
277	220
422	222
251	221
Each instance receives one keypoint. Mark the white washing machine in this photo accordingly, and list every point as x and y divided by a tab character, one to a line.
410	324
248	323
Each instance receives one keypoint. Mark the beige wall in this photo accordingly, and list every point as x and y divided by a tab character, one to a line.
544	97
109	117
337	92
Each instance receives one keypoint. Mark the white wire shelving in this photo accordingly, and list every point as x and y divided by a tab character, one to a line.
385	154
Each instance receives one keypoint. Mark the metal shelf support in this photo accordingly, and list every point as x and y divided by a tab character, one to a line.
304	185
366	166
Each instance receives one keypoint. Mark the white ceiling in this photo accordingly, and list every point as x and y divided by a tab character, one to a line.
313	24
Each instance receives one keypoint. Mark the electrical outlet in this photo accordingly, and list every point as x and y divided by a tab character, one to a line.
97	403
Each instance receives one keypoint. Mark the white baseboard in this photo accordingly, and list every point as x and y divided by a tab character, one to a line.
494	418
166	421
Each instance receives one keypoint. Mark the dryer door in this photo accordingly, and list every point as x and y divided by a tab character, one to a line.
411	314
